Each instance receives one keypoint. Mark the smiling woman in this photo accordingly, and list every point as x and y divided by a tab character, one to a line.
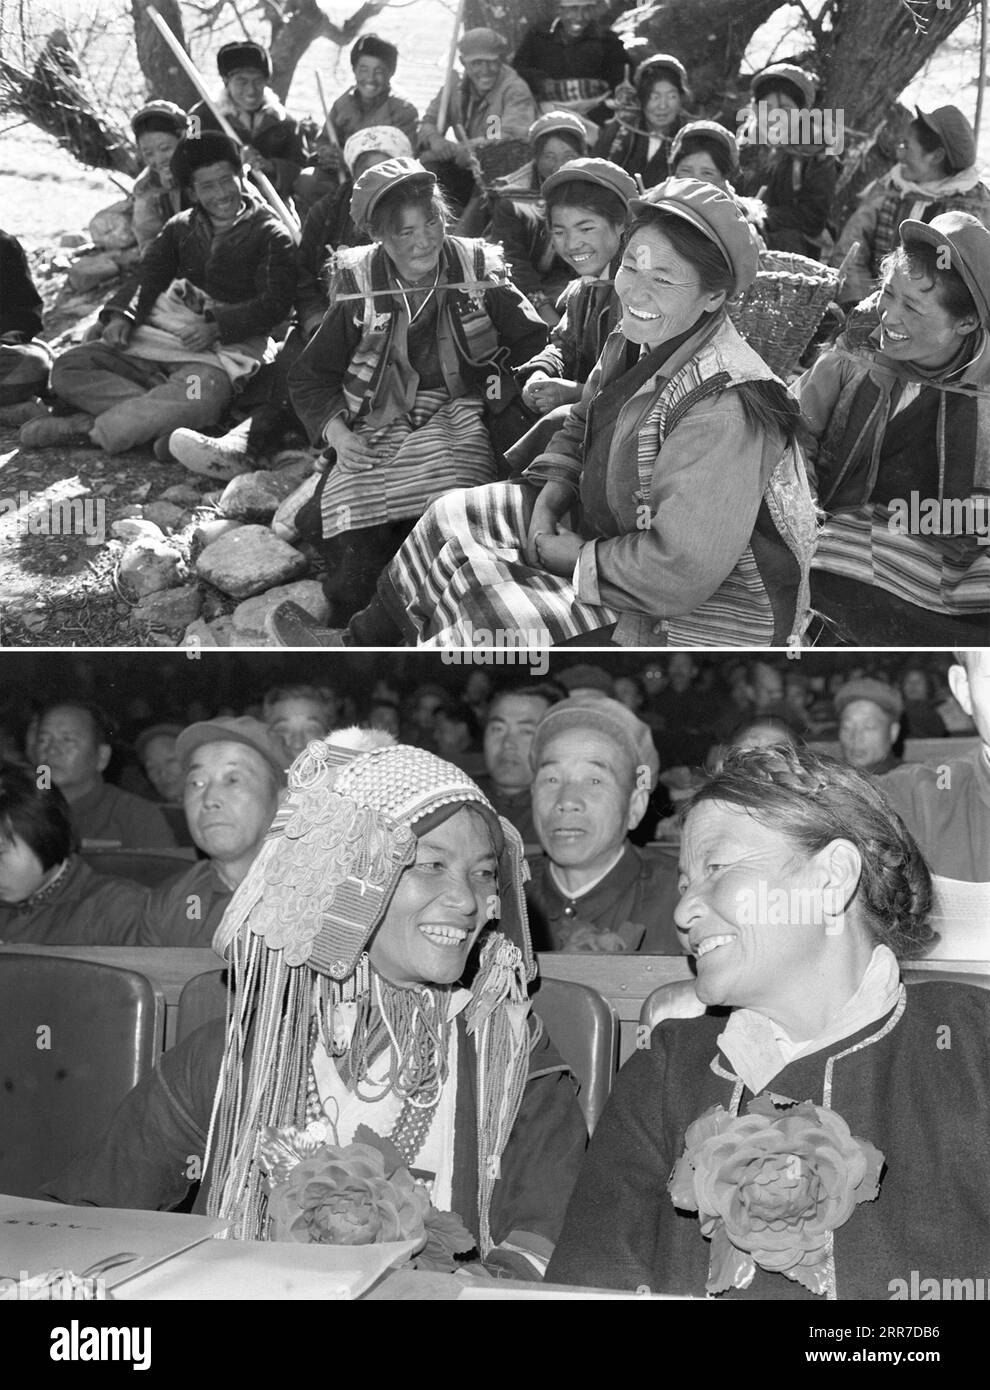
804	1125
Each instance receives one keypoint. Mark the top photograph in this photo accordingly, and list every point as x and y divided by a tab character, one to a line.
495	325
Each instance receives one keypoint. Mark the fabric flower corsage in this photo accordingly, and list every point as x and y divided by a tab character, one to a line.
770	1187
356	1194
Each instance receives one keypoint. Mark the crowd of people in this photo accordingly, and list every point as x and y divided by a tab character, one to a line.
372	902
530	408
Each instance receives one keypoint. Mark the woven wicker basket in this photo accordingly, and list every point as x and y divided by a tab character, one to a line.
786	302
500	157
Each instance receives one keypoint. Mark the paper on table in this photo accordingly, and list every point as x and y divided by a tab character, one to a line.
258	1269
39	1236
496	1293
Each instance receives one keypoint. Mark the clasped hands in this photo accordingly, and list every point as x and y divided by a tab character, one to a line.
550	545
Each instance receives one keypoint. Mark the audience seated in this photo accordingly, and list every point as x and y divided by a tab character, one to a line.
49	896
594	766
920	718
641	136
796	181
272	140
511	721
155	750
213	285
234	775
74	742
869	713
491	101
574	61
25	361
519	217
937	173
370	102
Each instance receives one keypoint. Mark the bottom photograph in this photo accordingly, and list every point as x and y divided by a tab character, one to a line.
402	976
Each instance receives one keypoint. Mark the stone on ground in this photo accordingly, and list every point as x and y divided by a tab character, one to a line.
255	496
204	634
148	566
173	609
249	616
166	515
248	561
90	271
182	494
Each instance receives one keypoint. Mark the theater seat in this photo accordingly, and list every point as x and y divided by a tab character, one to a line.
585	1031
75	1038
955	977
203	999
674	1000
148	866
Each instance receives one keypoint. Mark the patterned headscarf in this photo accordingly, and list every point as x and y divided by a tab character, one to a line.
387	138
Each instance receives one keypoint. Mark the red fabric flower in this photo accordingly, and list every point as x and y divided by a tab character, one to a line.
770	1187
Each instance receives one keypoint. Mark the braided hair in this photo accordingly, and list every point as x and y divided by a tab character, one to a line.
814	799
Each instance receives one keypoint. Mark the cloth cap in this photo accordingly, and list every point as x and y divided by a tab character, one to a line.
375	183
480	43
387	138
955	133
552	121
798	78
242	729
585	676
715	214
662	65
878	692
709	131
243	54
371	46
156	731
159	115
968	243
598	171
209	147
592	710
340	842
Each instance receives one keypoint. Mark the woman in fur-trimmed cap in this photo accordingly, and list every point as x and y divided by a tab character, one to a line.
371	987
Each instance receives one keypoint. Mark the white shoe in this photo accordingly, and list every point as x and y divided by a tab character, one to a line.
220	459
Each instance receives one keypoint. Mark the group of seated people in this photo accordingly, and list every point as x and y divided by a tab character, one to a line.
555	433
781	1145
603	869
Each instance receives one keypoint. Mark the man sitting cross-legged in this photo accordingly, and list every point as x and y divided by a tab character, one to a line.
216	281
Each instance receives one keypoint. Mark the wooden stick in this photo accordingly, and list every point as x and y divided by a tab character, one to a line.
448	81
188	67
328	127
982	78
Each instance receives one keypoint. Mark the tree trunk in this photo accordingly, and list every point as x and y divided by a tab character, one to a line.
306	22
874	51
164	77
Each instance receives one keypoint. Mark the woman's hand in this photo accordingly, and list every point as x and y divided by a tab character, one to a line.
558	553
117	332
354	452
553	502
443	149
543	393
200	335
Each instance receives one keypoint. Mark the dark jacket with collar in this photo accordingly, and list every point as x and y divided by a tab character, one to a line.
82	909
249	268
923	1102
638	894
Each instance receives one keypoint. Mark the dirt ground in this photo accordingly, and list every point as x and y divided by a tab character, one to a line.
61	590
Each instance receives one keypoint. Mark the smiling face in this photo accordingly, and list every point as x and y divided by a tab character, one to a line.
371	77
585	799
246	88
584	239
700	165
662	104
217	189
752	911
483	73
509	733
230	800
440	906
21	872
660	291
155	148
914	325
574	19
415	244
